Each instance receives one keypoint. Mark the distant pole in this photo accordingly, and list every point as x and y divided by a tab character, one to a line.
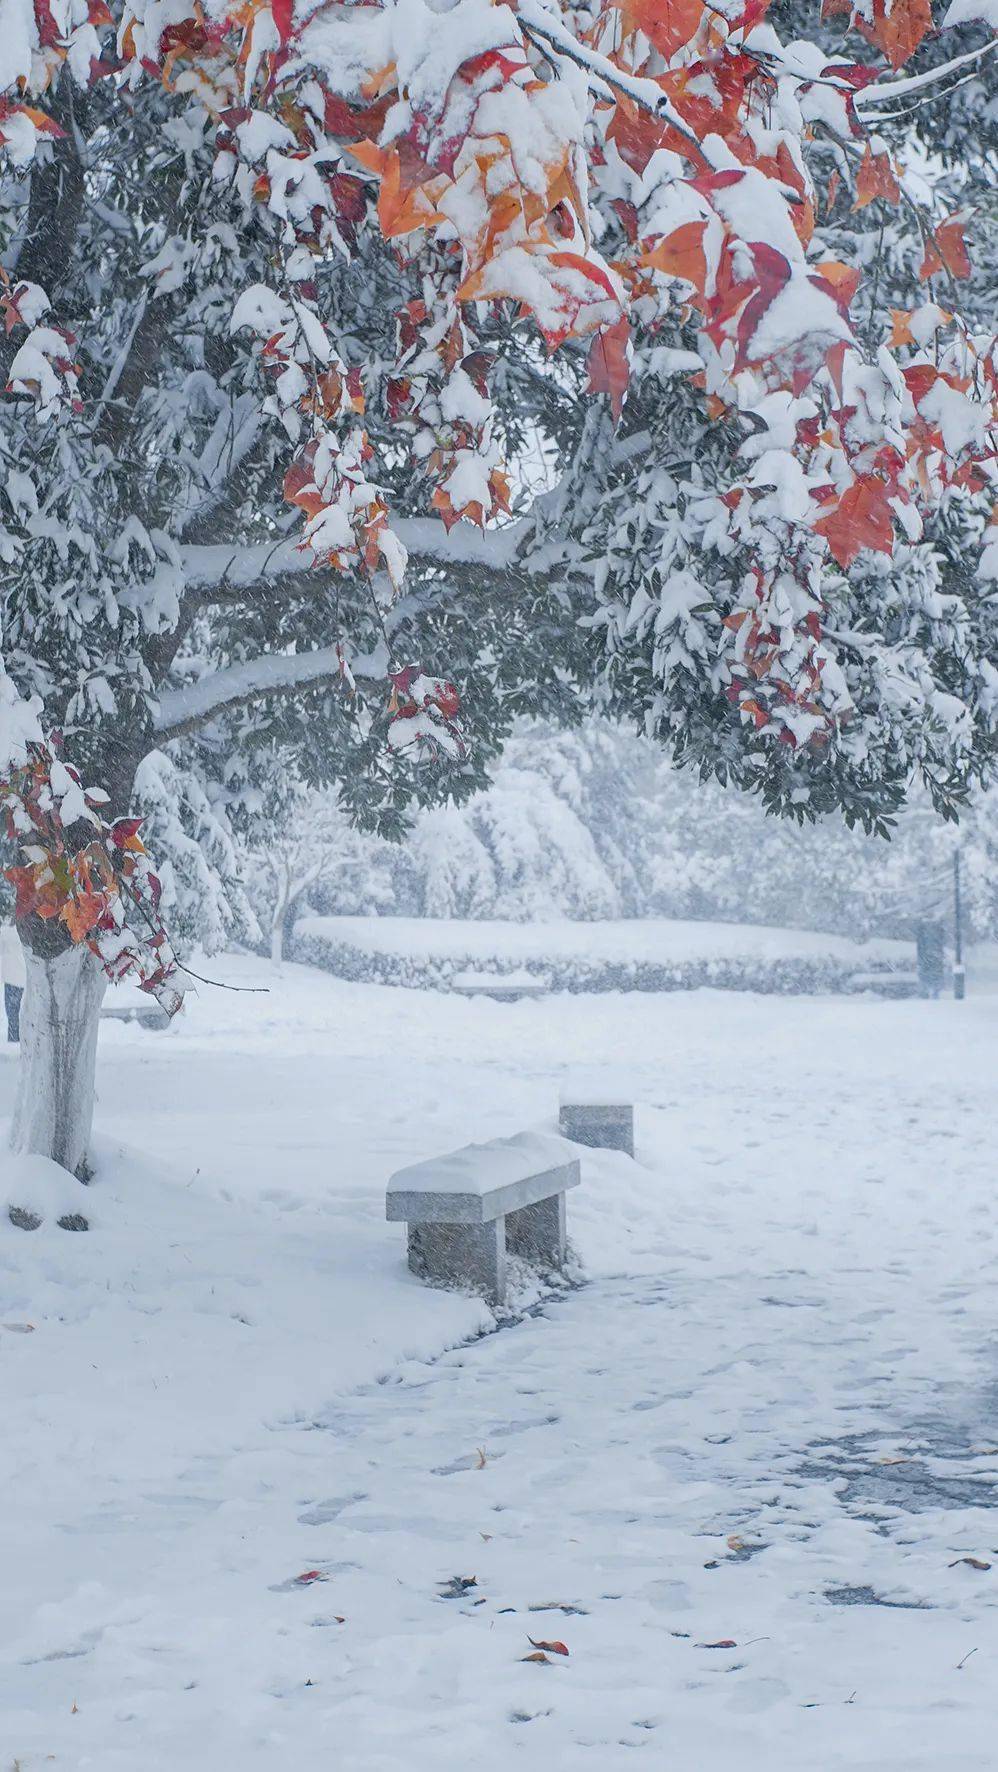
959	972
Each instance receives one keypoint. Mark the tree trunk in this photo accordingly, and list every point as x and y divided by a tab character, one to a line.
60	1014
277	940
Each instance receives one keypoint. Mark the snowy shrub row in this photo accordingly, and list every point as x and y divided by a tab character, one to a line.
787	975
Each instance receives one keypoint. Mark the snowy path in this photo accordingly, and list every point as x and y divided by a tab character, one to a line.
769	1419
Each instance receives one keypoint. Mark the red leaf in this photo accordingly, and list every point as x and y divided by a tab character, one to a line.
123	830
555	1648
722	1643
609	369
282	12
861	519
946	246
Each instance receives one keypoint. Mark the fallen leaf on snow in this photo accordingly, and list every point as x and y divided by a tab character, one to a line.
555	1648
971	1562
482	1459
20	1328
722	1643
735	1543
308	1576
538	1655
457	1586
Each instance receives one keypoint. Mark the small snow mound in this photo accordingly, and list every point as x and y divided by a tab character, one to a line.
35	1192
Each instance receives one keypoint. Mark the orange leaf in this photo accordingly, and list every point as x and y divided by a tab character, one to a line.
668	24
843	280
901	333
876	178
760	718
369	155
898	27
555	1648
82	914
681	254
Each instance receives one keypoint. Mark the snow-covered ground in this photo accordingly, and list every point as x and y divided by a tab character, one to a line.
735	1473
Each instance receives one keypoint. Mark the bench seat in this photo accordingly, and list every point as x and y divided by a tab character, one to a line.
465	1210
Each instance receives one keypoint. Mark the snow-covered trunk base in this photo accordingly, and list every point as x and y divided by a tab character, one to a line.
60	1016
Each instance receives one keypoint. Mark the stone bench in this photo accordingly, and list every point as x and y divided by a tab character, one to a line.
465	1210
152	1017
601	1124
504	987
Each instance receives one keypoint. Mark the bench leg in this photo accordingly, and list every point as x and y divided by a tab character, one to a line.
471	1255
537	1233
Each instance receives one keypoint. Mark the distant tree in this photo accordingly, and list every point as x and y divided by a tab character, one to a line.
299	839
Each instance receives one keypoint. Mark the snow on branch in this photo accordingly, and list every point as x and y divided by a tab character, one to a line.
892	89
182	710
424	538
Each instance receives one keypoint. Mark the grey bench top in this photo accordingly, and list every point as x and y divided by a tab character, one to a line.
482	1182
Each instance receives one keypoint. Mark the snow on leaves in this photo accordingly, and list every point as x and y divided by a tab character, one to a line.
486	143
423	716
92	876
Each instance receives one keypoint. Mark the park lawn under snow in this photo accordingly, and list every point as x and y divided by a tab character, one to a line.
735	1473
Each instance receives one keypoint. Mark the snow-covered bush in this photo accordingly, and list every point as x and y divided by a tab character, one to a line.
204	896
701	957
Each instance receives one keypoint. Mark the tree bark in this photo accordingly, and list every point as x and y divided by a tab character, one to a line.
53	1114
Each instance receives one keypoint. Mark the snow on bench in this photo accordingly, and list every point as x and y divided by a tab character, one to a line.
465	1210
599	1119
505	987
887	984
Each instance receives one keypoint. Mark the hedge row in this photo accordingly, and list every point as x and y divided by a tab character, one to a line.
794	974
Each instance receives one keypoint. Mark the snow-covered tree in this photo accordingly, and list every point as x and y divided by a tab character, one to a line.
333	242
204	899
298	840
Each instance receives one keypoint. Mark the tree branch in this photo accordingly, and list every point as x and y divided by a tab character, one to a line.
184	710
890	89
239	567
536	23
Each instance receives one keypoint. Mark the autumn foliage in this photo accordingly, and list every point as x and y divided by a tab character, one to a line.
485	143
90	875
